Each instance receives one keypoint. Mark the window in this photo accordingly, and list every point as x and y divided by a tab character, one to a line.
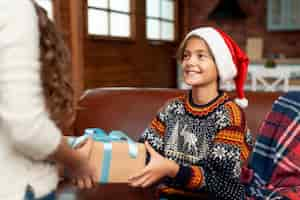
283	14
160	19
110	18
48	6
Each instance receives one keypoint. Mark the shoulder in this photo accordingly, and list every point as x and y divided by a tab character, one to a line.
231	105
17	8
19	13
236	113
19	30
173	103
173	106
294	95
237	133
291	98
177	100
288	104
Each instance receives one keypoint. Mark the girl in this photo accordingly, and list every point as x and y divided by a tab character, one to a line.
198	141
33	67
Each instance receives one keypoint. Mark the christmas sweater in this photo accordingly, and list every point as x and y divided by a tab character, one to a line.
209	142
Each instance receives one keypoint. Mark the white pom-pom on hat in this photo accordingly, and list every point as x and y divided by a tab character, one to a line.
243	103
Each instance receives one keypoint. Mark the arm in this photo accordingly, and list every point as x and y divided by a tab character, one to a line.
157	165
22	108
155	132
219	174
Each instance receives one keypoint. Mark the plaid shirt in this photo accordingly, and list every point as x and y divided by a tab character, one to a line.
273	171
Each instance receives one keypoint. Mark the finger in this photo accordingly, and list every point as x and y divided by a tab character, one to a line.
88	182
86	143
73	181
90	144
89	140
80	183
139	182
149	182
149	148
139	174
95	179
81	142
94	172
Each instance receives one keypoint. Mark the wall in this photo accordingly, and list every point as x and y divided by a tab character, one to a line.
254	25
140	63
137	63
110	63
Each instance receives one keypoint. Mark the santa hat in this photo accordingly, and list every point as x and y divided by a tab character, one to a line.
231	61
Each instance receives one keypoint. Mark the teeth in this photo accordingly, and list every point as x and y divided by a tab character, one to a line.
192	73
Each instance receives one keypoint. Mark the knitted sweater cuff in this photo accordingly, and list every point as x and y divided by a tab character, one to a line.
183	176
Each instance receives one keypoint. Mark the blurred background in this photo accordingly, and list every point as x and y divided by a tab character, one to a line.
133	43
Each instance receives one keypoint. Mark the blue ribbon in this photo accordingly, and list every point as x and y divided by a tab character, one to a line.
119	136
99	135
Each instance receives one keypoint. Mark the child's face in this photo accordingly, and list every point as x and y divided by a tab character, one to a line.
199	68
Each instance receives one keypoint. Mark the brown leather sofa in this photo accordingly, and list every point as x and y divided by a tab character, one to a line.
130	110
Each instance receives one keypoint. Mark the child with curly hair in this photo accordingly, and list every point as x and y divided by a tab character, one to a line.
36	101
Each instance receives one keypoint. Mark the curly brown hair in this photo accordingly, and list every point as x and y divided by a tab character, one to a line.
55	71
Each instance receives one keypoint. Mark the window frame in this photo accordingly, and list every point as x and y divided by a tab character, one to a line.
131	14
176	24
285	24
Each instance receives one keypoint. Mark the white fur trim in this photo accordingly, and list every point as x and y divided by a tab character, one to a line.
226	67
243	103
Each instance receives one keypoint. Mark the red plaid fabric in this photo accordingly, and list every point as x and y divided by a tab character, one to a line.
273	171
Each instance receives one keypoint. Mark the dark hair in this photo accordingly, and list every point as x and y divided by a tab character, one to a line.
55	71
182	46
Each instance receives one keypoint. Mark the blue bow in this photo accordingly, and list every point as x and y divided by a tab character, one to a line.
99	135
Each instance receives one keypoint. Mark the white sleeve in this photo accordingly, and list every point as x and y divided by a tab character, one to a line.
23	116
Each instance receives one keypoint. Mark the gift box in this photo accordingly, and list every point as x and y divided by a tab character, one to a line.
116	156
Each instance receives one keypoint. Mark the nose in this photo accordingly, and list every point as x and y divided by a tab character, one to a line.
192	60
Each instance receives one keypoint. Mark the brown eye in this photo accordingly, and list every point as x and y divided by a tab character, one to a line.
200	56
185	56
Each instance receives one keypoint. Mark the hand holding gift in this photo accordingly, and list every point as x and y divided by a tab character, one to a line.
157	168
81	179
115	156
82	172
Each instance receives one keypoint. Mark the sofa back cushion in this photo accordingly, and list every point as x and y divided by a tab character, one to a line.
132	109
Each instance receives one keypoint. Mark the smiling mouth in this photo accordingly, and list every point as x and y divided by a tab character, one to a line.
192	72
